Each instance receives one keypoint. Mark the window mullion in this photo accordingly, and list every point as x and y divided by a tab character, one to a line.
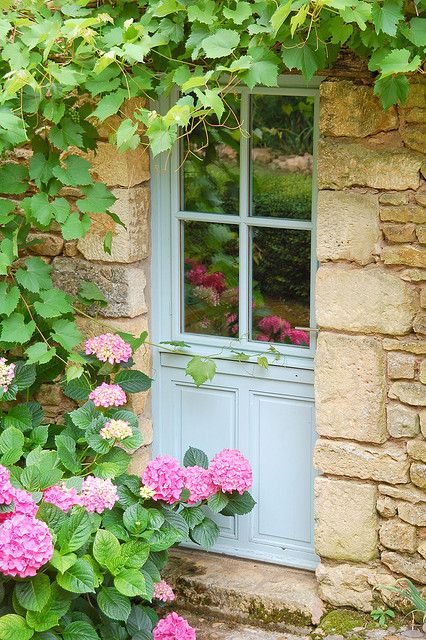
244	215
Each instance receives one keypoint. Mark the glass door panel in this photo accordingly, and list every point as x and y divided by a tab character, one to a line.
282	156
280	285
210	158
210	278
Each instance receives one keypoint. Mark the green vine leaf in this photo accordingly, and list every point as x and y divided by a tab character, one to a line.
201	369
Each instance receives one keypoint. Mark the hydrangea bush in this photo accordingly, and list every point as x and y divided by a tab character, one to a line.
82	541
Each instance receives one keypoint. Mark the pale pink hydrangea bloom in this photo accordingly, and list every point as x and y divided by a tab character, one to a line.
231	471
199	483
108	395
5	486
7	373
163	591
63	497
165	476
109	347
23	504
117	429
98	494
173	627
25	546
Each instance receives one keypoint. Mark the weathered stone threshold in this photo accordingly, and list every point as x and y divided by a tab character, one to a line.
245	591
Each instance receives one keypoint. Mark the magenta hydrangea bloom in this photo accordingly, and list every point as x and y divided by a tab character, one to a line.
173	627
98	494
163	591
5	486
23	504
231	471
25	546
63	497
165	476
7	373
298	336
200	484
109	347
108	395
116	429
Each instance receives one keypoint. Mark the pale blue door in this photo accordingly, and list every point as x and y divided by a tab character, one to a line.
233	271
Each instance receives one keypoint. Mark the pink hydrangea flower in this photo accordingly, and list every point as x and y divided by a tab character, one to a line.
163	591
108	395
199	483
117	429
25	546
173	627
23	504
271	324
5	486
165	476
98	494
231	471
7	373
298	336
109	347
63	497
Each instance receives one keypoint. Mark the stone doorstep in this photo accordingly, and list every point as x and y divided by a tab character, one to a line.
211	629
252	593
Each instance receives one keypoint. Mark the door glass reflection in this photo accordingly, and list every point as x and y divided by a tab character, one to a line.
280	285
210	272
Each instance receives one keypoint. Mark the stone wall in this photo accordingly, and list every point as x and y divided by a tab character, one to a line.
371	357
122	276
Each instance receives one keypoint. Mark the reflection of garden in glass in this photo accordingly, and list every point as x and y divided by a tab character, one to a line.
211	266
210	155
281	285
281	156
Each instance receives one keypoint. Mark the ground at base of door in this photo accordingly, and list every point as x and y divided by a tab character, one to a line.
210	629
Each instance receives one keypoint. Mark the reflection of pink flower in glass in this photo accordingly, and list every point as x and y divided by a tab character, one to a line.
234	329
199	483
216	281
25	546
196	275
262	337
208	294
231	471
165	476
173	627
231	317
199	277
270	324
298	336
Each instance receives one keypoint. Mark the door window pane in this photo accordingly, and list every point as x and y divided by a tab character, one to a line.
210	272
280	285
210	157
281	156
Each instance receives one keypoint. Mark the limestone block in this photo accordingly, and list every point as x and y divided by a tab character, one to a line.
387	463
142	357
410	493
353	110
418	474
422	416
402	421
348	164
386	507
348	226
116	169
398	535
394	198
413	393
421	234
422	372
123	286
145	427
422	549
413	513
415	114
417	449
404	254
345	585
420	196
70	249
397	233
128	244
416	95
139	460
47	244
413	567
363	300
414	136
401	365
405	213
413	275
408	344
346	520
350	388
419	324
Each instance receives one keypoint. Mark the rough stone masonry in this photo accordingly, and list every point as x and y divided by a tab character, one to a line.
371	311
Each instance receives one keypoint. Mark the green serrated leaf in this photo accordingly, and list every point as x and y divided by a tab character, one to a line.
201	369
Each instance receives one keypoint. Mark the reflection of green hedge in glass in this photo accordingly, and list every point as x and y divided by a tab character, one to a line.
284	268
